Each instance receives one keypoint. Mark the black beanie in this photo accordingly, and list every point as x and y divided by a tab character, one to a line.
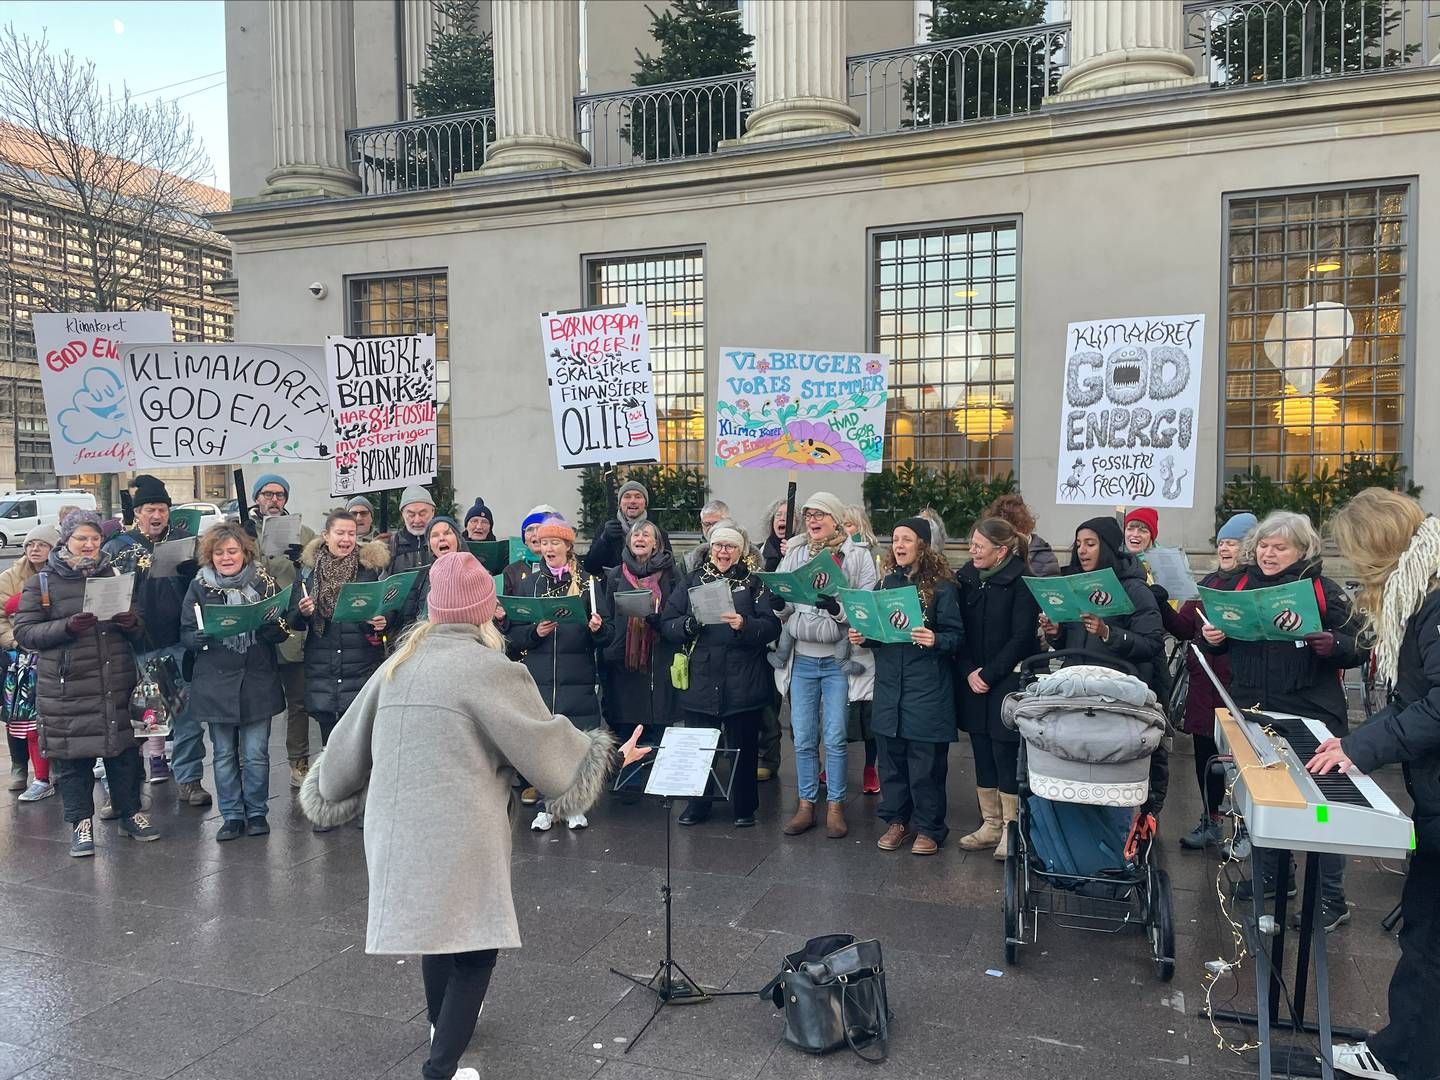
479	509
149	489
1109	532
919	526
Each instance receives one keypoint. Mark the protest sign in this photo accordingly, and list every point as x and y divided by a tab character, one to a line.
793	409
1065	599
361	601
1278	613
91	429
383	393
602	391
887	615
819	577
228	620
226	403
1129	410
557	609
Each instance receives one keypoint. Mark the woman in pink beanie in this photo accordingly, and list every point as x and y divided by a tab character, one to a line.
450	705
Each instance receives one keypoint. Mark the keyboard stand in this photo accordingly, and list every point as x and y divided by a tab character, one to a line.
1286	1058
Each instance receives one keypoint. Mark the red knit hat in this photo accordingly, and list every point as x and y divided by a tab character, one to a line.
461	590
1147	517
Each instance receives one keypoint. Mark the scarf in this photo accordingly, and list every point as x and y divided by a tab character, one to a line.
330	573
72	566
1405	590
833	543
237	590
639	635
986	575
554	583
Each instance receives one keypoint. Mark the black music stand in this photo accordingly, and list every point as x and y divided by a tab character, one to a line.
669	983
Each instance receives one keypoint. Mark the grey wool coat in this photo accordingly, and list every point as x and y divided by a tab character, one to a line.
465	718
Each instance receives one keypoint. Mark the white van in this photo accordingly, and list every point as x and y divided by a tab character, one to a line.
21	511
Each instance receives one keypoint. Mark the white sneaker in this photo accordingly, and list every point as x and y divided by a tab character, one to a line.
579	821
1355	1059
467	1074
542	822
37	790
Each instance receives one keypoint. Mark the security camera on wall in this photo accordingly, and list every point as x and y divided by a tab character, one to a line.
318	290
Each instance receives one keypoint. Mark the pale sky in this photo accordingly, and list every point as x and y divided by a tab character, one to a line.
160	49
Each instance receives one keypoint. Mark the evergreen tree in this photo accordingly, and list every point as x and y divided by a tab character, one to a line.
697	39
459	73
1273	43
983	81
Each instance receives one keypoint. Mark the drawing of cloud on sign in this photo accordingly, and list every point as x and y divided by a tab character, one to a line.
97	411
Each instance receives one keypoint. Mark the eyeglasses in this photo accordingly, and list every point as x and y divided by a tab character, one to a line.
815	515
273	495
724	547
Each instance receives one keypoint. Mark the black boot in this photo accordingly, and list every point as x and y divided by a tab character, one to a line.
696	811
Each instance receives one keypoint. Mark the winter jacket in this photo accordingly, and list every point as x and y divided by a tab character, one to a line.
408	551
811	627
1043	562
1408	731
229	687
1282	677
728	670
605	549
638	697
84	682
292	649
563	664
914	686
1001	618
1137	638
435	749
12	581
157	599
514	577
1185	626
337	662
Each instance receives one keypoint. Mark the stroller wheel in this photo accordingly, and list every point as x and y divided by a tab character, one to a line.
1014	896
1162	926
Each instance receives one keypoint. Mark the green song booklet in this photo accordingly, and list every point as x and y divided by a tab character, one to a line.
821	576
1065	599
1279	613
361	601
570	610
886	615
224	620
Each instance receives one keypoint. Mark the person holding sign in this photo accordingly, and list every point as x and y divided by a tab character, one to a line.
339	656
819	689
914	699
637	659
83	684
633	501
561	656
235	686
1300	677
442	536
728	681
999	613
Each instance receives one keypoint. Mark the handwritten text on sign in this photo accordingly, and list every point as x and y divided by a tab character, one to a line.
385	409
1127	421
602	391
798	409
91	428
227	403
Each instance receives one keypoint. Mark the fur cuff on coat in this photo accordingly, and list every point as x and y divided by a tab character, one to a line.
590	778
320	810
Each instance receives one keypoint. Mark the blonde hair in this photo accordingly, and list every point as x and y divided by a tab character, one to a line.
1294	527
486	634
856	515
938	539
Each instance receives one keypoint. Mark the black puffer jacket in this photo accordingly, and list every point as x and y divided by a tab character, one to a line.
1137	638
1000	630
564	664
1277	675
914	686
608	544
339	661
1408	731
728	670
83	683
158	600
645	696
515	576
230	687
407	551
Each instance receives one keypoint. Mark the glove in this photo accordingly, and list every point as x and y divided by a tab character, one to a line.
1162	595
126	620
293	552
80	623
187	569
203	640
692	628
614	532
653	620
1323	643
777	603
828	604
273	633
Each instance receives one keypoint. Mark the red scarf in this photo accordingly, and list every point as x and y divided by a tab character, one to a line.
639	637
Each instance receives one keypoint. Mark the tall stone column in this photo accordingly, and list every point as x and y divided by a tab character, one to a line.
421	20
537	75
312	70
1124	47
800	75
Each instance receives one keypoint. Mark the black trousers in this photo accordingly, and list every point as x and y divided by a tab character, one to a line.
770	735
912	784
742	732
455	985
326	722
997	763
1410	1045
125	773
19	752
1211	781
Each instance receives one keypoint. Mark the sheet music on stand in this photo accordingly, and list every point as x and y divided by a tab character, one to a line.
683	765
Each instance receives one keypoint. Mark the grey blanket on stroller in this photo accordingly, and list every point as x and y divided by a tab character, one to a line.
1094	681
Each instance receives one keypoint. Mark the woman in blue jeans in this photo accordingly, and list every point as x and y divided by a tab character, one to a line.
236	683
819	689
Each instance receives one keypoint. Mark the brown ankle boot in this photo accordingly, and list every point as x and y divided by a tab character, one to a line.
835	826
803	821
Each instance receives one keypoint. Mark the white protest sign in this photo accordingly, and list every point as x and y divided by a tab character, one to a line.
224	403
1127	416
800	409
383	390
91	430
602	391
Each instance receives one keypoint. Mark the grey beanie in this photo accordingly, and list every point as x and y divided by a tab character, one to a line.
634	485
415	494
360	500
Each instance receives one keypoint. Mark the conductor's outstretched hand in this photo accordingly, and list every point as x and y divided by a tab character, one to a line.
632	751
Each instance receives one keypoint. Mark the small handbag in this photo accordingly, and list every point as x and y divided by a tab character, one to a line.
680	669
833	995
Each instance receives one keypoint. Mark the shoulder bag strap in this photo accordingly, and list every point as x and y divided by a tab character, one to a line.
880	1034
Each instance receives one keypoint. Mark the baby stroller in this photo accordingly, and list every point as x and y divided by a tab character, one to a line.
1082	850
